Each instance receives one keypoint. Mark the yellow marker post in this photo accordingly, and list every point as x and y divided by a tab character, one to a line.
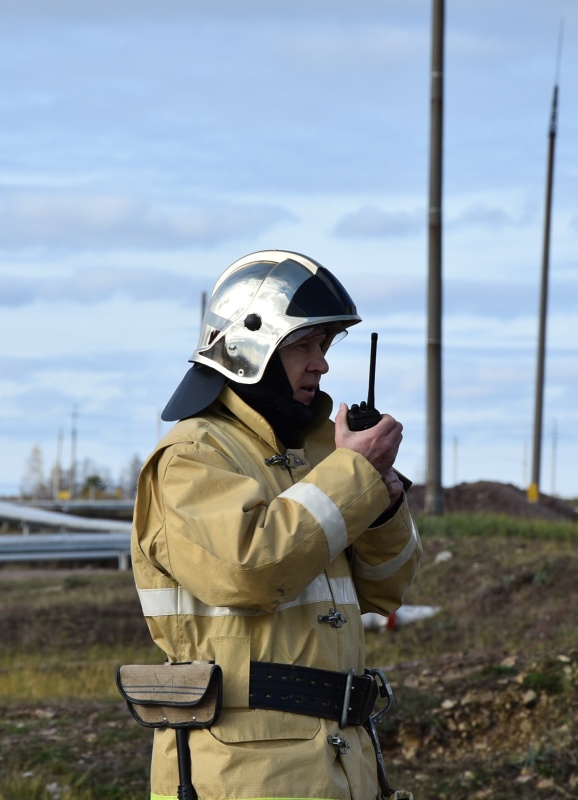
533	493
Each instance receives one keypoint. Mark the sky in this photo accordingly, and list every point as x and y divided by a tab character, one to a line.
145	146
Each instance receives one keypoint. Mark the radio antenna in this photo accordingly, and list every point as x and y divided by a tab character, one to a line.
372	359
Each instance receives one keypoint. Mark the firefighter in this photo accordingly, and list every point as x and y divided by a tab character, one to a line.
262	531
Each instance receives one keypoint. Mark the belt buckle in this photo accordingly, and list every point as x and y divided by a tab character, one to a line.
384	691
346	698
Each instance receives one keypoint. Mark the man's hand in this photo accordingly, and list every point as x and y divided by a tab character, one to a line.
379	445
394	487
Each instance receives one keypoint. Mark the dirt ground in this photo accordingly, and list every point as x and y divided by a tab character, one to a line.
486	691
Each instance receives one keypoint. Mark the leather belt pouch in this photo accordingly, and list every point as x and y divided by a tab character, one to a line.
187	695
316	692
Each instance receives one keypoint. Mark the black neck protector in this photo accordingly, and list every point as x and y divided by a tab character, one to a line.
272	397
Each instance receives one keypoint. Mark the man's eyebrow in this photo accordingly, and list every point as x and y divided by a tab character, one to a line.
322	336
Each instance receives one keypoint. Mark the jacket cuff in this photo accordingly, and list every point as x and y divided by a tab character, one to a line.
388	513
392	511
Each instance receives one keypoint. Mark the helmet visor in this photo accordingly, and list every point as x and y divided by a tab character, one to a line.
321	295
333	334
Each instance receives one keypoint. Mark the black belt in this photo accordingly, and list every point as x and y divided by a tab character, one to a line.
344	697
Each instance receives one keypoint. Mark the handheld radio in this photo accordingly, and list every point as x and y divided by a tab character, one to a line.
365	415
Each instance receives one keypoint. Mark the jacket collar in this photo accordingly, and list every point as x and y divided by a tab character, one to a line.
253	420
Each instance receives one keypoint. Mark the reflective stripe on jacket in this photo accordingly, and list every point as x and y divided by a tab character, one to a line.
235	560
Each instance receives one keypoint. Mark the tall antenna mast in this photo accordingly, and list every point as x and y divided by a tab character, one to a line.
534	488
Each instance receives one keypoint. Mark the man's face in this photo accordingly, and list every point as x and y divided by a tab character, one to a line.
304	363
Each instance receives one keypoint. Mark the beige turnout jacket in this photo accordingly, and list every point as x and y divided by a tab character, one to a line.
234	561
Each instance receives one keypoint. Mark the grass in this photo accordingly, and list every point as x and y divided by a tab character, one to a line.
28	786
37	678
475	526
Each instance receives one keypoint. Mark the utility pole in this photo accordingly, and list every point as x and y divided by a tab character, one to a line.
534	488
554	456
73	453
433	501
203	306
56	473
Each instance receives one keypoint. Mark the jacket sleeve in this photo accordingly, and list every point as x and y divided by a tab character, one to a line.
232	540
385	561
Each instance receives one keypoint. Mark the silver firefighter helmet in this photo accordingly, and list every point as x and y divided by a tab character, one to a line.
256	303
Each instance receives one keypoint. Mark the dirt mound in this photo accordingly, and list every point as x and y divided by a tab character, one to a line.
487	497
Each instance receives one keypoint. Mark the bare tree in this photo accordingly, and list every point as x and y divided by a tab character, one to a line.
33	484
129	478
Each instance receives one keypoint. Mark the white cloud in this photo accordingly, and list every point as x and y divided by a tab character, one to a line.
371	221
95	287
54	219
490	217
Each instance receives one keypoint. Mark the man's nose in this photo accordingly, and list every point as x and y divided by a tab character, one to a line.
318	364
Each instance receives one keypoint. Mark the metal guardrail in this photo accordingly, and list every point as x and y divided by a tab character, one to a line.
71	546
28	518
